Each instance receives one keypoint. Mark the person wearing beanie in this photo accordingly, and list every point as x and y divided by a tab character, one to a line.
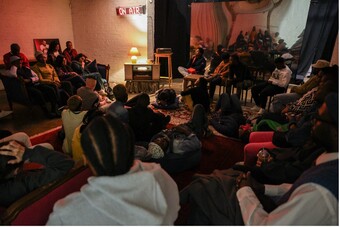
123	191
71	117
281	100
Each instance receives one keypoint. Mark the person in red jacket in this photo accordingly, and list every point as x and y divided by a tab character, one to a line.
15	51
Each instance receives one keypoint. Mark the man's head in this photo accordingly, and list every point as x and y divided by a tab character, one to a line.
143	100
325	128
74	103
280	63
15	48
41	57
199	51
108	146
80	57
120	93
69	45
318	66
225	57
219	48
91	82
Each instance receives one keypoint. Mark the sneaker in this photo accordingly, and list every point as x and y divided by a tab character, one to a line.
261	111
255	108
4	113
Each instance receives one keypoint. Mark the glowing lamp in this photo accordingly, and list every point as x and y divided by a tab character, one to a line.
134	53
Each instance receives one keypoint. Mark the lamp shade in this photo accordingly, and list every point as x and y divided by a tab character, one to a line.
134	52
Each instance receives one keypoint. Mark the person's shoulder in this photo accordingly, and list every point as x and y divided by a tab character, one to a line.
7	55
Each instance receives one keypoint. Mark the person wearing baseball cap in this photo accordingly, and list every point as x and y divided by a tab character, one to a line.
281	100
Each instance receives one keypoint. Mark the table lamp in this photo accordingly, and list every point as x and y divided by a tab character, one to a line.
134	53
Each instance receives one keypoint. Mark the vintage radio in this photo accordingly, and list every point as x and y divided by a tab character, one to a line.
163	50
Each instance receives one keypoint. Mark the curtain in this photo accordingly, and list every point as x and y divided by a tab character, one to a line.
320	34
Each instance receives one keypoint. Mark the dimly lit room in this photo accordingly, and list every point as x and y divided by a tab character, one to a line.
169	112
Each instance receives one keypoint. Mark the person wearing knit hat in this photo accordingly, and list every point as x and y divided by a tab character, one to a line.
281	100
120	185
71	117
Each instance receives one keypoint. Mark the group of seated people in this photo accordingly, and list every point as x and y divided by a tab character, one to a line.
122	141
55	77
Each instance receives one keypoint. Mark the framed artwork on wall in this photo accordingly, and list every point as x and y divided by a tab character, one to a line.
43	44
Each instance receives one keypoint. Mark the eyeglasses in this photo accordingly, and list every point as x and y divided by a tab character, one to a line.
319	118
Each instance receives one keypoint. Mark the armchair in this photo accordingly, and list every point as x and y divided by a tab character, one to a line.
15	91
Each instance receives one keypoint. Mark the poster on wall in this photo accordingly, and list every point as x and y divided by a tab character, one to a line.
43	44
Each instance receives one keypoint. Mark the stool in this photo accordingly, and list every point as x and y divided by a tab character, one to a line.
168	56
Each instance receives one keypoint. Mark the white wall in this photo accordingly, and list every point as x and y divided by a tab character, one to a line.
21	21
107	37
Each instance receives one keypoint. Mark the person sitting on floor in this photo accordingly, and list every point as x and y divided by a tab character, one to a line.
196	64
120	185
117	108
220	74
281	100
276	84
230	117
179	148
144	122
16	181
15	51
91	97
71	118
197	95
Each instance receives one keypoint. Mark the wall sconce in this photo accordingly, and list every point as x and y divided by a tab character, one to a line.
134	53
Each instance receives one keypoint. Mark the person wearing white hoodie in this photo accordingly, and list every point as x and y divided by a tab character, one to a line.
123	191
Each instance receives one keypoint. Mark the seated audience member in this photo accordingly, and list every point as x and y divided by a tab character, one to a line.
230	116
117	108
79	66
216	59
106	200
281	100
239	75
77	150
91	97
144	121
220	74
39	92
197	95
65	73
276	84
23	139
53	52
253	203
15	51
179	148
71	117
17	182
70	53
196	64
48	76
5	113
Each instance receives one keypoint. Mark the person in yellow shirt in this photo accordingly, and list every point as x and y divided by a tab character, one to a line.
47	75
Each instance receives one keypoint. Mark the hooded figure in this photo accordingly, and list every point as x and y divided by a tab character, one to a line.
123	191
